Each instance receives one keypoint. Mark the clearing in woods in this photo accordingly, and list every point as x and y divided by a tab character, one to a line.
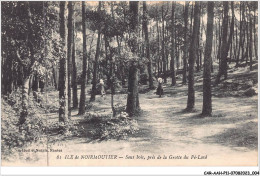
229	137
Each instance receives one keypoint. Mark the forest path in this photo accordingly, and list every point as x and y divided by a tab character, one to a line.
166	129
227	138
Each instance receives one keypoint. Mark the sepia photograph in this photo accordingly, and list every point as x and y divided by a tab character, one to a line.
129	83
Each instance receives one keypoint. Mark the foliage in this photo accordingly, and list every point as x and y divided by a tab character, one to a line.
31	43
107	128
14	135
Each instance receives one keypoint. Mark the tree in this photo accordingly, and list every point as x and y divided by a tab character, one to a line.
229	45
163	45
158	43
132	105
84	64
28	63
94	80
240	36
173	47
250	39
63	99
25	86
74	69
69	54
255	8
192	57
147	46
186	48
207	103
224	46
198	44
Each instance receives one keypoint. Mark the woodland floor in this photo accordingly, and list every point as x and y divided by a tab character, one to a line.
229	137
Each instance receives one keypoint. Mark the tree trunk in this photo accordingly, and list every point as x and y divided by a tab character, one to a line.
255	34
251	40
132	106
186	48
54	78
27	70
207	102
229	45
132	99
84	64
173	47
191	17
147	46
192	57
88	60
25	99
220	41
158	46
112	82
74	73
198	45
163	48
69	54
243	31
240	32
94	80
247	37
107	61
63	99
224	47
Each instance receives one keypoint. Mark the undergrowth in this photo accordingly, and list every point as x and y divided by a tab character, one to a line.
106	128
95	126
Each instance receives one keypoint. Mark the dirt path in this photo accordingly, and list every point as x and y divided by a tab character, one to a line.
166	129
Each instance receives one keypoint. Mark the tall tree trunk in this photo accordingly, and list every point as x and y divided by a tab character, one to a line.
224	47
220	31
192	57
198	45
28	68
54	78
247	36
255	33
133	106
240	32
74	73
163	48
243	35
191	17
25	99
108	59
112	81
63	99
229	45
147	46
173	47
207	102
84	64
112	85
158	45
69	53
89	64
250	39
235	45
186	48
94	80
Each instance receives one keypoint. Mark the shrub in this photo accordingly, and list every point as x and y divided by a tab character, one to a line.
15	135
106	128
